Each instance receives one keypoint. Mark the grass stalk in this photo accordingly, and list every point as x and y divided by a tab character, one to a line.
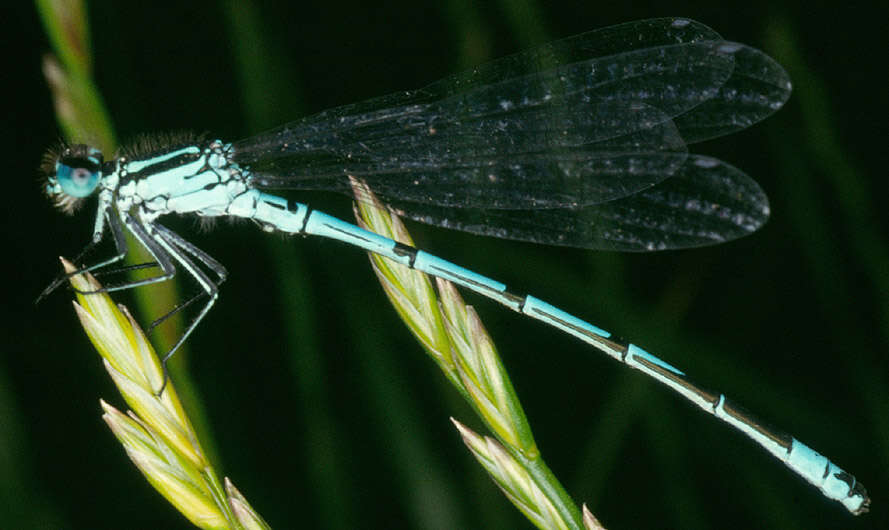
454	337
156	433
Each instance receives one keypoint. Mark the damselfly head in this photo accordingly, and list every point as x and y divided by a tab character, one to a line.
72	174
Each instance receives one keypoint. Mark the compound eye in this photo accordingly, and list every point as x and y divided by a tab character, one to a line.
78	179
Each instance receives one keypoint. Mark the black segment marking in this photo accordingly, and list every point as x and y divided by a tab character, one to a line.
855	490
593	336
345	233
625	345
165	165
620	345
517	299
848	479
401	249
784	440
706	395
442	273
309	212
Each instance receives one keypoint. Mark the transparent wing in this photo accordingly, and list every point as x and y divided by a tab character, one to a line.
572	125
704	203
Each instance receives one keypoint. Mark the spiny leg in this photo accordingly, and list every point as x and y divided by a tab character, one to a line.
126	268
183	244
158	253
120	244
180	250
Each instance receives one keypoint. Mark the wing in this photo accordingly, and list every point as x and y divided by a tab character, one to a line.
528	142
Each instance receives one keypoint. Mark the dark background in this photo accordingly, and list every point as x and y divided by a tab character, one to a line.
323	409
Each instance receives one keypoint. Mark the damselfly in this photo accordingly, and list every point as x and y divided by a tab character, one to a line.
581	142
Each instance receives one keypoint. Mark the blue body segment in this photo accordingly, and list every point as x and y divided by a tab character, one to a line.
582	142
568	323
634	351
833	482
446	270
